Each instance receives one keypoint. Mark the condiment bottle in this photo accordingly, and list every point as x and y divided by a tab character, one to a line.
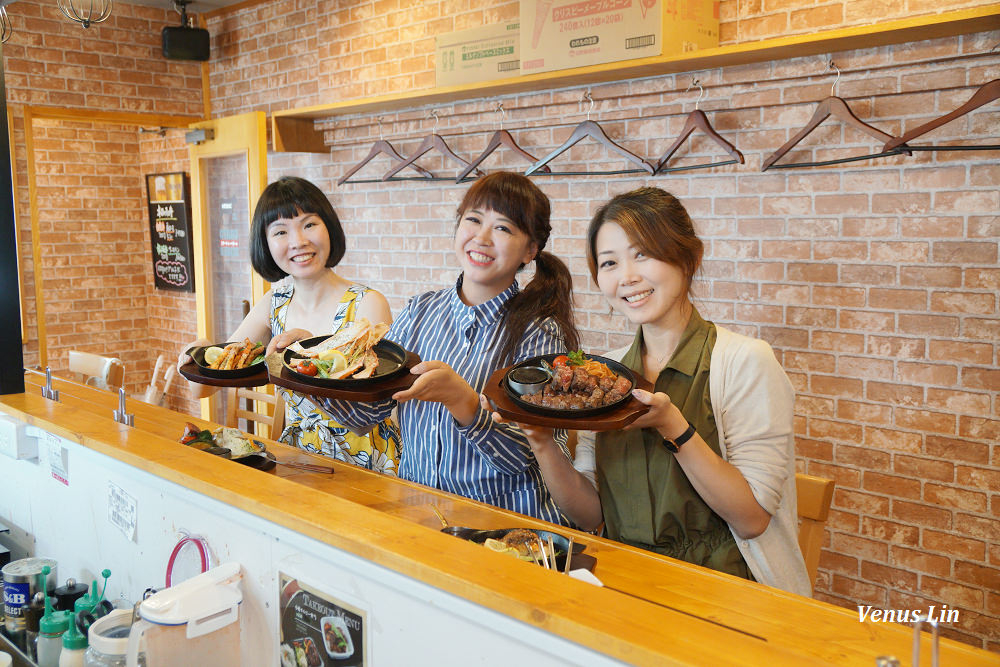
50	631
92	603
69	593
32	618
74	646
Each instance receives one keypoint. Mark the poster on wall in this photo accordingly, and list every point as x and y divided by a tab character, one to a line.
316	629
170	231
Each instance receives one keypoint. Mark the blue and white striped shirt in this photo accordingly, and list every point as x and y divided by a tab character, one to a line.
485	461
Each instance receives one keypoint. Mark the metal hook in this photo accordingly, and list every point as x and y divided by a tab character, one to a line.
379	121
434	113
503	113
833	88
587	96
701	91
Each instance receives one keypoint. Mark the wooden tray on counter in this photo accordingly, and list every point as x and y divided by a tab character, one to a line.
279	375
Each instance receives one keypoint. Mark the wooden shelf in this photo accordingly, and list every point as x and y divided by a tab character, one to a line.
293	129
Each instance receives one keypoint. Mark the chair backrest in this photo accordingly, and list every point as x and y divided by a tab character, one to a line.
814	495
235	411
164	373
102	372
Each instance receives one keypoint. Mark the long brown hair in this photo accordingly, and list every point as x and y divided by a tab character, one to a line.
550	292
657	223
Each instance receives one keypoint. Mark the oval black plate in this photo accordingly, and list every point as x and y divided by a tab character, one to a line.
198	354
560	542
615	366
391	357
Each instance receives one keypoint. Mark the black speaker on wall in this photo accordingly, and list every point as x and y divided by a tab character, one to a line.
183	42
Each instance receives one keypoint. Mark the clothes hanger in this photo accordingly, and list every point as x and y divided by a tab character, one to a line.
697	120
836	107
589	128
432	141
500	138
988	92
382	147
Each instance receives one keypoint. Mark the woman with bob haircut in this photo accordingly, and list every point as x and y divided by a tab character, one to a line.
463	334
708	474
295	240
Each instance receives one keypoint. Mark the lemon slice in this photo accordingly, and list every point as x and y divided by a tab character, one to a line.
496	545
212	355
337	357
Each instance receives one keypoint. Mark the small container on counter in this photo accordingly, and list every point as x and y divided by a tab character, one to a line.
20	578
74	645
68	594
51	628
108	638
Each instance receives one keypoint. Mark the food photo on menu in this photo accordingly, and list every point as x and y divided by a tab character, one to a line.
316	630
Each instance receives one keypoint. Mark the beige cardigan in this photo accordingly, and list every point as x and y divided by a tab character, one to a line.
753	402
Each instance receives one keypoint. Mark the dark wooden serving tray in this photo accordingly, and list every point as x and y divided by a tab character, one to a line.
617	418
278	374
192	371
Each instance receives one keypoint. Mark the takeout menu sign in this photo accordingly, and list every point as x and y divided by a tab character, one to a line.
306	619
170	231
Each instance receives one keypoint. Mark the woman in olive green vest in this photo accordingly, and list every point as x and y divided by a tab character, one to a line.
708	474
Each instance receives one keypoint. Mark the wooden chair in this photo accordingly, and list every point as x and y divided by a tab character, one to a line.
235	411
814	497
164	373
101	372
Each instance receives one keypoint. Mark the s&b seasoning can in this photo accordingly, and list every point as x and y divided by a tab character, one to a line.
20	583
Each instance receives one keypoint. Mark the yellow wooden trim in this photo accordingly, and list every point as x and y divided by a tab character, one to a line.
244	134
17	235
122	117
36	248
948	24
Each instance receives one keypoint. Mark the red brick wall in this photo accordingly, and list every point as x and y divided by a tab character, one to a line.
115	66
285	53
90	219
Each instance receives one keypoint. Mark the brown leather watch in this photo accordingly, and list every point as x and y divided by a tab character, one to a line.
675	444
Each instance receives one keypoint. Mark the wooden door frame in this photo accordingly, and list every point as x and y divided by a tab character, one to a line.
243	134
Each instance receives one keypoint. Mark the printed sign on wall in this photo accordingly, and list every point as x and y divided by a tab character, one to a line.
317	630
170	231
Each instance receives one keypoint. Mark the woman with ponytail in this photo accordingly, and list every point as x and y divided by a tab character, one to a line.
463	334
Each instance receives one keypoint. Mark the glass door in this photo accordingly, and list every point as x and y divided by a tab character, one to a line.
228	173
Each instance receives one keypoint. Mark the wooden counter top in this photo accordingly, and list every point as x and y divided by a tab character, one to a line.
652	610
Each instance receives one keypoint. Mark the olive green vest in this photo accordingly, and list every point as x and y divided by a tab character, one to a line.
647	499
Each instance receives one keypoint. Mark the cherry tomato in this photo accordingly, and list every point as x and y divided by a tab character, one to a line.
307	367
561	360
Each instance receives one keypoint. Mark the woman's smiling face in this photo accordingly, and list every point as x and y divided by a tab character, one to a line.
300	246
490	249
643	289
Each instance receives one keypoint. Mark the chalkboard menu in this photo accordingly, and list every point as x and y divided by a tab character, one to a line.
170	230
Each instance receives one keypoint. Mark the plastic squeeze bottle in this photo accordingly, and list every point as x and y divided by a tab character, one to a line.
50	631
74	646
